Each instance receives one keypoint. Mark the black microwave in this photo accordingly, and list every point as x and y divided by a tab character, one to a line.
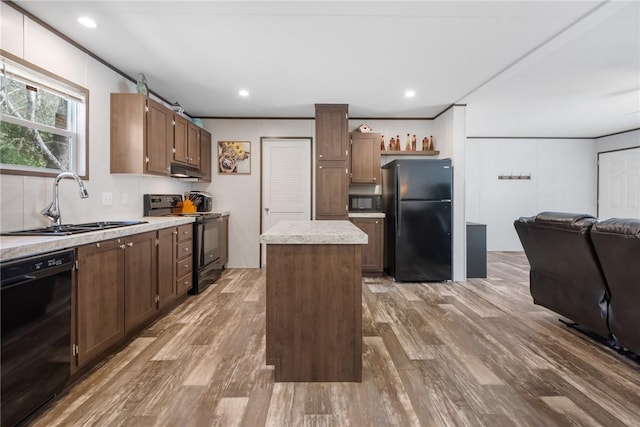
365	203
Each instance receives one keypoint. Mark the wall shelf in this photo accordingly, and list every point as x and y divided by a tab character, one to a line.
409	153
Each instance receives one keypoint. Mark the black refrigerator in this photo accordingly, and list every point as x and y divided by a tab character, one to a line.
417	202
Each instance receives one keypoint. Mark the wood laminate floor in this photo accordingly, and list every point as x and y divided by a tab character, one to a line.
475	353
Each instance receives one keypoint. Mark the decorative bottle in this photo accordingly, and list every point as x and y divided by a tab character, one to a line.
398	146
425	144
381	142
392	144
407	143
431	147
413	143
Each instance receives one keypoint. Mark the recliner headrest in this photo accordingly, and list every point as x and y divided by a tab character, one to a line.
625	226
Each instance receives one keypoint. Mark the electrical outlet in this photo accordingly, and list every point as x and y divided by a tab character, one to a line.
107	199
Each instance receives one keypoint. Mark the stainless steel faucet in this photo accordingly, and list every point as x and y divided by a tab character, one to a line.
53	210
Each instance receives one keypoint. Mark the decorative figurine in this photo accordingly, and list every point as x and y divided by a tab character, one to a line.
425	144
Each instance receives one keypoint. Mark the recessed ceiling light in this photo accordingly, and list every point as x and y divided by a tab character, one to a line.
243	92
409	94
87	22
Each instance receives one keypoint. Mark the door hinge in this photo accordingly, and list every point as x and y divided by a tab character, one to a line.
157	242
75	265
157	298
174	122
75	350
351	175
146	109
346	208
346	153
346	171
146	159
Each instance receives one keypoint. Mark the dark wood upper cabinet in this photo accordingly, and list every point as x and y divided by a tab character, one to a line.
332	166
205	157
332	133
193	145
141	135
332	190
365	158
180	139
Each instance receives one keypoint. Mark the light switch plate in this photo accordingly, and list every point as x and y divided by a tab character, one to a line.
107	199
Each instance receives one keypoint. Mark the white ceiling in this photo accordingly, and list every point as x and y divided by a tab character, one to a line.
524	68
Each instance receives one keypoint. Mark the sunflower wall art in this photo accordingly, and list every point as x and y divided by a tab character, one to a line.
234	157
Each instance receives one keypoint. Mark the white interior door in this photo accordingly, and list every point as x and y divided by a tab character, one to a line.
619	184
286	182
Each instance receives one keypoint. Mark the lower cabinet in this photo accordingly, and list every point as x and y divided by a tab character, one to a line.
166	266
372	253
140	280
184	259
99	296
121	284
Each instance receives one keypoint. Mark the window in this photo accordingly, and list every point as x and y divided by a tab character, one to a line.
43	127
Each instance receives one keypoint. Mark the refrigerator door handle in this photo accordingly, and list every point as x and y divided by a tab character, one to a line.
397	210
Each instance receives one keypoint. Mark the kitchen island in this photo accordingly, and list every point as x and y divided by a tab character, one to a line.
314	301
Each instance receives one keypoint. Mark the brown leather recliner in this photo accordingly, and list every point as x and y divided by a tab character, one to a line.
565	275
617	244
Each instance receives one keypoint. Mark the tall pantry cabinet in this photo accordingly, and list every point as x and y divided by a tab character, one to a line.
332	157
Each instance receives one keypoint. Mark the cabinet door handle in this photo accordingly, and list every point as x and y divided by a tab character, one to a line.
174	233
186	266
374	179
122	246
130	244
186	249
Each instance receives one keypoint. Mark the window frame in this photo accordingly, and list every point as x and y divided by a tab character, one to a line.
80	152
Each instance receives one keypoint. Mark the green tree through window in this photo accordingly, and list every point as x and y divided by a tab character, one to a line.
40	126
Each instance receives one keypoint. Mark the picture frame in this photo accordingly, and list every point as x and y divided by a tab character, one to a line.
234	158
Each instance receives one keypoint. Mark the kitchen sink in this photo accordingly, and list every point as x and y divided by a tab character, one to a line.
66	229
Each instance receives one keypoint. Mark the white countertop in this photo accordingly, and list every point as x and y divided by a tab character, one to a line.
20	246
366	214
314	233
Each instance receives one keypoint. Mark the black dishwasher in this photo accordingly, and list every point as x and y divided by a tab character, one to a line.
36	332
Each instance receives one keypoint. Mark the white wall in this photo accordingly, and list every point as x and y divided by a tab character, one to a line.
617	142
240	194
23	197
449	138
563	178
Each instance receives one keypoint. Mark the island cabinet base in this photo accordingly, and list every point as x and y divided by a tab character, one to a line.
314	312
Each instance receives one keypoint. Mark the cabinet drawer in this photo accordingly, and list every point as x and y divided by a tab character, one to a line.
185	232
183	284
184	249
184	266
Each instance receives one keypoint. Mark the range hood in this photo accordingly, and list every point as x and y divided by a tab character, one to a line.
182	171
